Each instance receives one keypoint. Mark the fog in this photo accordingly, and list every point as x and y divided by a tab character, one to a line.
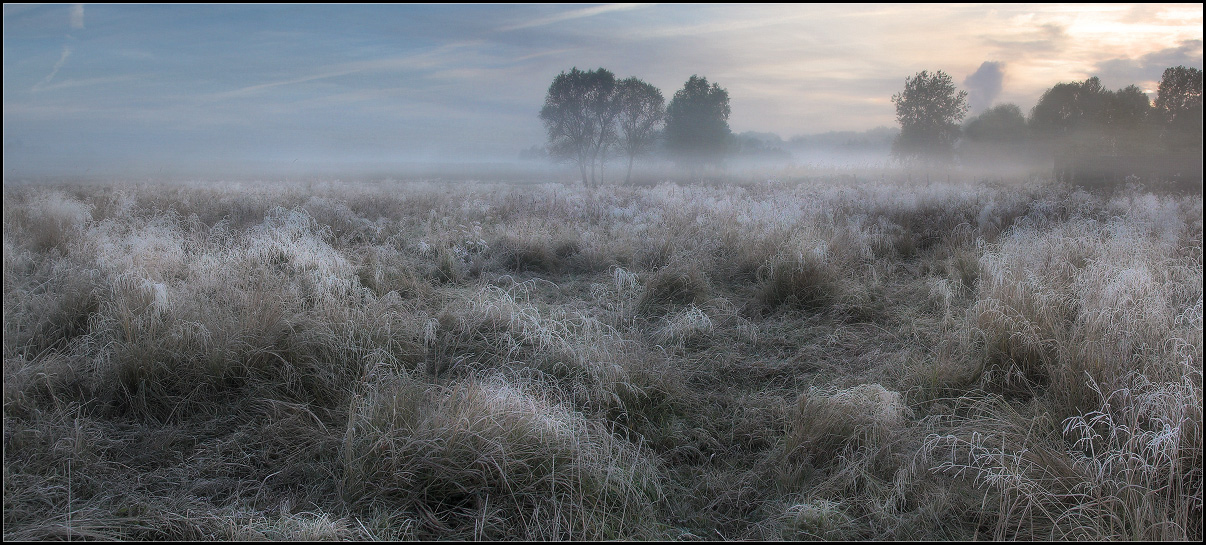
280	92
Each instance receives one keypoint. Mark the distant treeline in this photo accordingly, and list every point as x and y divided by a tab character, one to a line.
1093	135
1086	132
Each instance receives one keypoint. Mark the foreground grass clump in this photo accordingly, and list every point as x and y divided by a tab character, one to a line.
800	282
863	416
489	460
820	359
674	285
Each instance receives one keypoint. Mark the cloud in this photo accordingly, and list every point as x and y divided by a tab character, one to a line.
572	14
77	16
984	85
1038	39
1148	68
46	81
434	58
72	83
313	77
543	54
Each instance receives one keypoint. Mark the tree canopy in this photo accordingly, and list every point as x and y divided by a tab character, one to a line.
697	123
642	110
1179	107
1003	123
579	113
996	138
929	111
1068	107
1083	117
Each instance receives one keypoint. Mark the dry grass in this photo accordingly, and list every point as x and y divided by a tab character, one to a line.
863	416
801	359
489	460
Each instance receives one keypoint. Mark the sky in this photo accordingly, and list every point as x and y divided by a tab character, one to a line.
142	90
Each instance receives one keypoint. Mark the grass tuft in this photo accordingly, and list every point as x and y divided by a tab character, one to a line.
487	460
799	282
674	285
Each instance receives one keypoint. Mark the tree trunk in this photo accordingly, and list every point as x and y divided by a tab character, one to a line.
628	177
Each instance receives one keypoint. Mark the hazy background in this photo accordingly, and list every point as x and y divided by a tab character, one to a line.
228	91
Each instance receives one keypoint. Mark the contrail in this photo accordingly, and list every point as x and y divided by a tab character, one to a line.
62	60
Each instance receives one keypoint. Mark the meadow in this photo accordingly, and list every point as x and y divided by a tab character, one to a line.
833	357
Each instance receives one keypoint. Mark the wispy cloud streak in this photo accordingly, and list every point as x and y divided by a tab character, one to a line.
46	81
77	16
573	14
254	88
429	59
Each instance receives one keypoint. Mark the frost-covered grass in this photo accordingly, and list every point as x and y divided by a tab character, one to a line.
765	360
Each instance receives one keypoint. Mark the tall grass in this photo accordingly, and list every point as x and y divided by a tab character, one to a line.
764	359
487	459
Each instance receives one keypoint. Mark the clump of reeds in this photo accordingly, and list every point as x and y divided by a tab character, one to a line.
535	254
384	269
690	327
48	219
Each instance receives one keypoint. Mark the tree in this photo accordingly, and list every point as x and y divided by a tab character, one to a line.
929	111
995	137
604	107
758	148
697	123
1179	107
1127	121
1073	107
1084	117
1128	108
1001	124
642	110
579	114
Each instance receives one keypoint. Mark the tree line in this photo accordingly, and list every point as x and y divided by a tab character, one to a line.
590	116
1076	119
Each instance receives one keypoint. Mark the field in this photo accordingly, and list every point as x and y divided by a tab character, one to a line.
831	358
